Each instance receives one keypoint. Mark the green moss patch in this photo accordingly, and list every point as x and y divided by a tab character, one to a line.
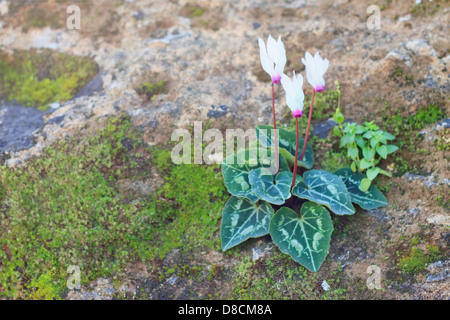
66	208
38	78
416	260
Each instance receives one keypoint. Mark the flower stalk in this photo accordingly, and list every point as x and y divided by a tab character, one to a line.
296	154
277	159
307	128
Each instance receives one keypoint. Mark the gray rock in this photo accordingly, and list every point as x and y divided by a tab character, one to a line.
56	120
380	214
17	127
139	15
218	112
420	47
92	87
438	271
323	128
414	212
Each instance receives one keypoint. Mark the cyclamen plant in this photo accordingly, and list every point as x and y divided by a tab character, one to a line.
262	201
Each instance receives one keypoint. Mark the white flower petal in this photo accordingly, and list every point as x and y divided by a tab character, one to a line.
315	69
265	61
272	49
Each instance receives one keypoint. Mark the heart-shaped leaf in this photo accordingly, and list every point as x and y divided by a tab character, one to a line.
243	219
236	168
324	188
264	186
305	239
369	200
382	151
391	148
287	142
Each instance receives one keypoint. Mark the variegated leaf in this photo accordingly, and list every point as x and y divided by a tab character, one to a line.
324	188
236	168
275	189
243	219
369	200
305	239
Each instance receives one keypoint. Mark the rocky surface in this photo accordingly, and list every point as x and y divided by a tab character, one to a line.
210	65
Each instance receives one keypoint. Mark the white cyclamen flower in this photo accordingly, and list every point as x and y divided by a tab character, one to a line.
274	55
294	93
315	69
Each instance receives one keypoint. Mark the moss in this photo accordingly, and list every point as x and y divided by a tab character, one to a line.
66	208
279	277
149	89
196	12
37	78
333	161
192	226
416	260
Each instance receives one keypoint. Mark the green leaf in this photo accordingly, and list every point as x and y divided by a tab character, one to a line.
385	173
353	167
348	139
236	169
365	185
369	200
353	152
337	132
359	141
364	164
368	135
382	151
262	181
324	188
388	136
305	239
391	148
243	219
372	173
287	142
368	153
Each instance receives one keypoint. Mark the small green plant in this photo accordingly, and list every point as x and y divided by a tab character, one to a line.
366	146
150	90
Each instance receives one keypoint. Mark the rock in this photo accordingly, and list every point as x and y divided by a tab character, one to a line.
92	87
323	128
379	213
139	15
55	105
217	113
256	25
56	120
420	47
414	212
102	289
172	280
405	18
438	271
259	252
17	127
325	286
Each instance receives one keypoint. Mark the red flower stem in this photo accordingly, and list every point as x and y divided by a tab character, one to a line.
277	159
296	154
307	129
